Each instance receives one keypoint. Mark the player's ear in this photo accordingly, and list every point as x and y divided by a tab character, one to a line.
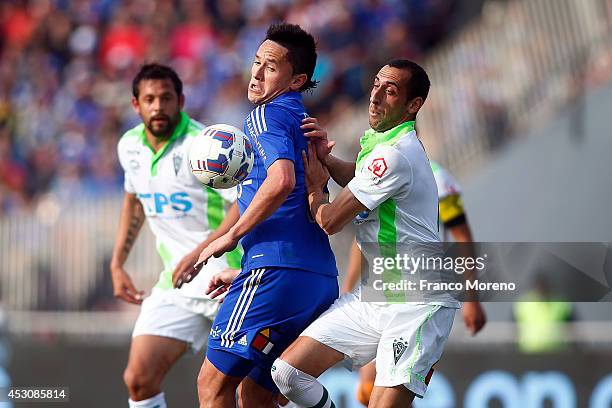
298	81
414	105
135	105
181	101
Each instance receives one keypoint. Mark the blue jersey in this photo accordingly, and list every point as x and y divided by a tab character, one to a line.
288	238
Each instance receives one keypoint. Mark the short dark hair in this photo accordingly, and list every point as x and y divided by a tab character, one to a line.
419	81
302	49
156	71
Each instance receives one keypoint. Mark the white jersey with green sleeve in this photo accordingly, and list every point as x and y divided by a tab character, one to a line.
181	211
394	180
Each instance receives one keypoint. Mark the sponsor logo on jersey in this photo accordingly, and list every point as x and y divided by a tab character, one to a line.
399	347
378	167
361	217
243	341
160	204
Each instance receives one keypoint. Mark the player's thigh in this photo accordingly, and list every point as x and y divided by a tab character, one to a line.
212	382
344	328
411	345
164	314
367	373
391	397
152	356
253	395
300	355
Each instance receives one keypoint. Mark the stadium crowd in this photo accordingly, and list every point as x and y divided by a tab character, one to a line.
66	65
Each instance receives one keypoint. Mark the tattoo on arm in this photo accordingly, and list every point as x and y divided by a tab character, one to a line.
136	222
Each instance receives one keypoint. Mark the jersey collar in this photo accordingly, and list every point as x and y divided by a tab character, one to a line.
372	138
178	131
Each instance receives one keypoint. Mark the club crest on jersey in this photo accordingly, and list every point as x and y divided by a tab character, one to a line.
134	165
177	160
378	167
399	347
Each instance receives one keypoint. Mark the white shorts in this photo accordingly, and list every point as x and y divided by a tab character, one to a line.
168	314
406	339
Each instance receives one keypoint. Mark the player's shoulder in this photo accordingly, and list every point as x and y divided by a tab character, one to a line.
194	127
391	152
266	117
132	137
385	160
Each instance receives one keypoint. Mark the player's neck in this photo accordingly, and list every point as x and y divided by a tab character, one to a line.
156	142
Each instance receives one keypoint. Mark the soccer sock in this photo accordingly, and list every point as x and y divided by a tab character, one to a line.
299	387
157	401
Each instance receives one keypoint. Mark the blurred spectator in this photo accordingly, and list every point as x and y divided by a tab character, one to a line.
66	65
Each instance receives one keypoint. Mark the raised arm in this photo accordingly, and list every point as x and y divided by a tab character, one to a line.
331	217
341	171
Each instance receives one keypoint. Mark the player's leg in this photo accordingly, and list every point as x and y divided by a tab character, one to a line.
215	388
367	375
340	333
295	372
150	359
410	345
162	334
391	397
253	395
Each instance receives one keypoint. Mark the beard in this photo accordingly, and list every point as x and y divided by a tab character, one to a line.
162	128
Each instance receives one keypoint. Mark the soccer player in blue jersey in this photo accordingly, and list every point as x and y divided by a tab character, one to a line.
289	274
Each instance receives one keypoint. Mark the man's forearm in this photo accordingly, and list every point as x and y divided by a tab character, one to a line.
341	171
130	222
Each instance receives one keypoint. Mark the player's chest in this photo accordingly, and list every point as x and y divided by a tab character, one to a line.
165	185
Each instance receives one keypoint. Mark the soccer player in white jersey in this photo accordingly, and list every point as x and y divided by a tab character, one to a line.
392	188
183	215
455	226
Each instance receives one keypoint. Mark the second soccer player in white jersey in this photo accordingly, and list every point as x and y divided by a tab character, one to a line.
392	188
184	216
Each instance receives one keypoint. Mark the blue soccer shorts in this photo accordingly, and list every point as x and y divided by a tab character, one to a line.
264	311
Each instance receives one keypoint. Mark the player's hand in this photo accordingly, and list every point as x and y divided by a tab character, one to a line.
221	282
218	247
474	316
317	174
123	288
318	137
184	272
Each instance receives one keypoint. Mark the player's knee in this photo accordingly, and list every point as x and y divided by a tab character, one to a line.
364	391
141	384
289	380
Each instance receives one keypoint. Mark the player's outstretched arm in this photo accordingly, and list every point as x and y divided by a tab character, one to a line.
185	270
130	222
275	189
331	217
341	171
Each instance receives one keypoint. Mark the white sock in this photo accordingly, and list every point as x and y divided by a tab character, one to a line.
299	387
157	401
